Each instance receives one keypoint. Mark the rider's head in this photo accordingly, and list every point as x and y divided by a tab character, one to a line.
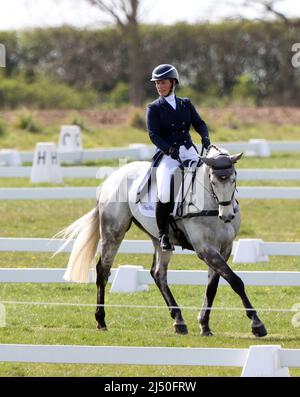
166	78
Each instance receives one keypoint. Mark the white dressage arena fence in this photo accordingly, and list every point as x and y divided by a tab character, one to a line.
243	250
129	278
249	174
257	361
62	193
254	147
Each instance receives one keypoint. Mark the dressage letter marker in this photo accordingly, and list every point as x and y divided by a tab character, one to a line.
70	139
46	166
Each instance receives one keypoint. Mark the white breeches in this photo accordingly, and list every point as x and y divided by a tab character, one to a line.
166	168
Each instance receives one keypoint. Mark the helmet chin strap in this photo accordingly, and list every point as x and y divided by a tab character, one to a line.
172	89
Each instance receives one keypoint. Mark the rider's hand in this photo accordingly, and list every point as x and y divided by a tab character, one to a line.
174	153
206	142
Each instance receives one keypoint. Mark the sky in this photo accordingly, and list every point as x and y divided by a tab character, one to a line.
19	14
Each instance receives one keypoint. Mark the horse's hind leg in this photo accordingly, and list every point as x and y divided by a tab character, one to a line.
159	269
211	290
113	229
102	278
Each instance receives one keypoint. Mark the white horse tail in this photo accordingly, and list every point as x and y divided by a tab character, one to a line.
87	233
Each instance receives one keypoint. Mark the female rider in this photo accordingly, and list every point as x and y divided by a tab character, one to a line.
168	123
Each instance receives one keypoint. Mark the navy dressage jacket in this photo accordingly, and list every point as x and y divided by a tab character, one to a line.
168	127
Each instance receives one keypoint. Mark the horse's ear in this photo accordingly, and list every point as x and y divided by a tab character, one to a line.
235	157
208	161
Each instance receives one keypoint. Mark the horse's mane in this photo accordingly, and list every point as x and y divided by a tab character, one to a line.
214	151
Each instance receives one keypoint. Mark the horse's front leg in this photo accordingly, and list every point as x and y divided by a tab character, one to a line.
215	261
211	290
159	273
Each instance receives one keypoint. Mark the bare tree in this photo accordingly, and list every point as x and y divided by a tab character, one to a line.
125	15
268	7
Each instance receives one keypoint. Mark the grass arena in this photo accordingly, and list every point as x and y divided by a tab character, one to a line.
40	321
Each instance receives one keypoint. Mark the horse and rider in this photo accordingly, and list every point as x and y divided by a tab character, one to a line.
210	232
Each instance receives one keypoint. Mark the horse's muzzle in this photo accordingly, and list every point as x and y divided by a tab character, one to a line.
227	218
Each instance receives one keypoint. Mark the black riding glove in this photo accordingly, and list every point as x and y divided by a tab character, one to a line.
206	142
174	153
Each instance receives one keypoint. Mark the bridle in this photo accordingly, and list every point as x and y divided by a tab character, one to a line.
210	190
228	202
223	203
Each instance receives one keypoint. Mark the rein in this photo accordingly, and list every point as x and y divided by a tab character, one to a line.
212	192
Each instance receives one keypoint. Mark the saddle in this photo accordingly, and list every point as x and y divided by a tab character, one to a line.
182	184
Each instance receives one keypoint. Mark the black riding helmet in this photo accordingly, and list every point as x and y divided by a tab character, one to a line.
165	72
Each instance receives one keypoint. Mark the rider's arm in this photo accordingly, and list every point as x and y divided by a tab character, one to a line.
197	122
153	128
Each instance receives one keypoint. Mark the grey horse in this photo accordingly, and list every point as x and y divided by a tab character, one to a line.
209	230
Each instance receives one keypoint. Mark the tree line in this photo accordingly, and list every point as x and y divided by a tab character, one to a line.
234	58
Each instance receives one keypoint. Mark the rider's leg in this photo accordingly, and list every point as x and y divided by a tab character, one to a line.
188	154
163	206
162	215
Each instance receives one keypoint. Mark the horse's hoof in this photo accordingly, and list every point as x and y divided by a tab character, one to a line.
180	329
259	331
101	327
206	333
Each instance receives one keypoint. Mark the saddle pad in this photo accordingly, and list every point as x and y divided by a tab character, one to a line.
147	203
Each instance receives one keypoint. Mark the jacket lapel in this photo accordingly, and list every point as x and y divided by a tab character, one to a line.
179	107
178	112
165	105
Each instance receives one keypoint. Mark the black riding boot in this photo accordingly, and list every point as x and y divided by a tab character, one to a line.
162	214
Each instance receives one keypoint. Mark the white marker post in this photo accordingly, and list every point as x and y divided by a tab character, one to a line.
10	157
2	316
46	167
2	56
70	141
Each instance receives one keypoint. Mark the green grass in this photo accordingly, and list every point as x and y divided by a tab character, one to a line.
266	219
278	183
106	136
244	132
80	182
68	182
123	134
46	324
277	160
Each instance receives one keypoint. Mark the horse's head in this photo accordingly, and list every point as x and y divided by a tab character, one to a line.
222	177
